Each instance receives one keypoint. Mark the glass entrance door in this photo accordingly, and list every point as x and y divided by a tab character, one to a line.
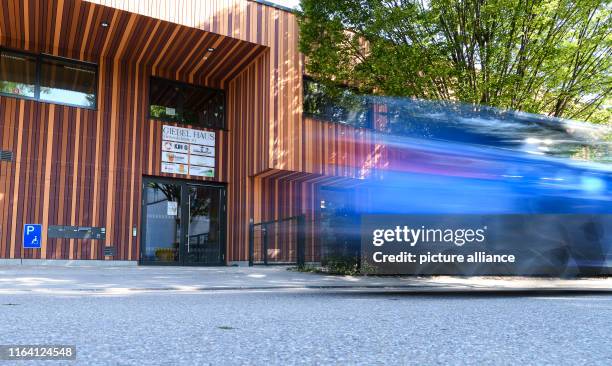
183	223
162	222
204	225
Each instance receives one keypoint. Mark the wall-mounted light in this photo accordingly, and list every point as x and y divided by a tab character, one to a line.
210	49
105	24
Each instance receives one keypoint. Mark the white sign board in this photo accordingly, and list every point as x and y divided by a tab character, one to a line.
188	151
188	135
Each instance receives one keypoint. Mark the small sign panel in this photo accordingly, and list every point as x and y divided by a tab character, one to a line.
175	147
32	236
76	232
173	168
202	161
171	157
172	208
201	171
203	150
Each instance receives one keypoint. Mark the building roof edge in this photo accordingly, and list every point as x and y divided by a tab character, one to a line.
277	6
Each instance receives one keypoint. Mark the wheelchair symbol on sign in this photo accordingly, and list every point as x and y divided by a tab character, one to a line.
32	234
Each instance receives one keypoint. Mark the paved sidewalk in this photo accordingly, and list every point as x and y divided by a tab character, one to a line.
59	279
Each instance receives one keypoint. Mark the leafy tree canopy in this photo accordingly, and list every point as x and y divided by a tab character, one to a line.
543	56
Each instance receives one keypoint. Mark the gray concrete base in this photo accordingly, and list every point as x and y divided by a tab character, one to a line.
246	264
66	263
239	263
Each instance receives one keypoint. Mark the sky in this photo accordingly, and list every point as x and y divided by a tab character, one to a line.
287	3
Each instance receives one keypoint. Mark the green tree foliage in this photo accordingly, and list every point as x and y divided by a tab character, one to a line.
541	56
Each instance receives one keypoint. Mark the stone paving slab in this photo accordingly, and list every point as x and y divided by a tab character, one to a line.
62	279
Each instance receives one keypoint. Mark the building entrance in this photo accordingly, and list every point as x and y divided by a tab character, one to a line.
183	222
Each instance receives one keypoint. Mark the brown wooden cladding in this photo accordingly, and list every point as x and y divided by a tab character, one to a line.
84	167
81	167
71	28
247	123
341	150
259	24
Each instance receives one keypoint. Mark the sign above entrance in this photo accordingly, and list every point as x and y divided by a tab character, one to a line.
188	135
188	151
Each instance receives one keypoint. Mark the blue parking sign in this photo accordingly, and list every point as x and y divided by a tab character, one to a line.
32	236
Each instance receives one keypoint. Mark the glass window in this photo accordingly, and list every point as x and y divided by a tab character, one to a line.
48	79
17	74
67	83
336	104
189	104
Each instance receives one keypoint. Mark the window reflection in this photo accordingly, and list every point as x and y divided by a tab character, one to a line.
184	103
204	239
47	78
67	83
336	103
17	74
162	215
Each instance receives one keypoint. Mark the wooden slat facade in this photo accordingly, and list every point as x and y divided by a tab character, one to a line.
83	167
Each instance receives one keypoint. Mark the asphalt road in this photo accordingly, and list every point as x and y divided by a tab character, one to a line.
313	327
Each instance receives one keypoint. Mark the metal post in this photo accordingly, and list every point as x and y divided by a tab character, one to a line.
301	240
251	242
264	231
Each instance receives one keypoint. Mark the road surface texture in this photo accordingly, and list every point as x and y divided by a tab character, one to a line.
269	315
308	326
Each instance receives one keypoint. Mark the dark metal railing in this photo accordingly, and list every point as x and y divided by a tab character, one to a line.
280	241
